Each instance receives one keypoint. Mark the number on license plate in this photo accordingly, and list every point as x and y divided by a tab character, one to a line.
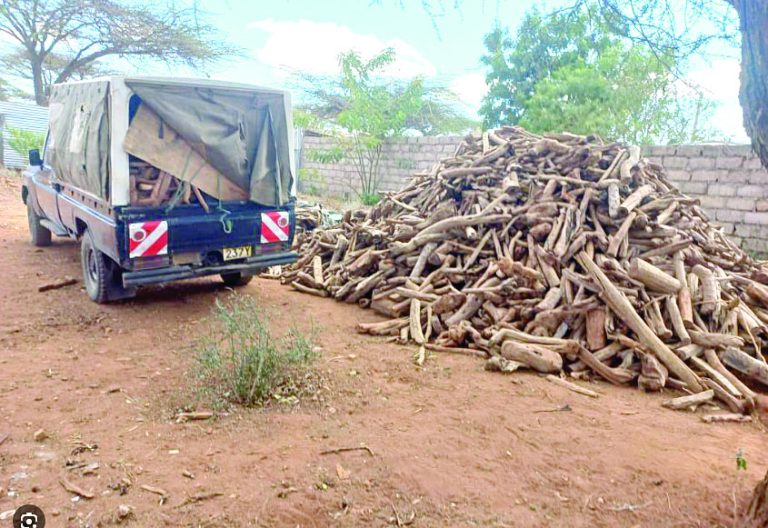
237	252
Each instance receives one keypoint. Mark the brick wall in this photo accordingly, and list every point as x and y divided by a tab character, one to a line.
728	179
399	160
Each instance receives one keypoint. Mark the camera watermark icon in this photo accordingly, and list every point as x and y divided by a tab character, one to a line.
28	516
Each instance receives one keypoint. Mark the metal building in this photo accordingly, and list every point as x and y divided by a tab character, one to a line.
26	116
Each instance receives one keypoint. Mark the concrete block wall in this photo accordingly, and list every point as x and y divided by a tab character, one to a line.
729	180
399	160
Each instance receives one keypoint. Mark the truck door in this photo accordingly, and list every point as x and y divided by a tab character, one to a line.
47	191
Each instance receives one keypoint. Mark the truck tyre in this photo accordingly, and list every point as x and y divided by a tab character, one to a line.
235	279
98	274
41	236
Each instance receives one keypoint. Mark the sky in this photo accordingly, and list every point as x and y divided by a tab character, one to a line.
280	37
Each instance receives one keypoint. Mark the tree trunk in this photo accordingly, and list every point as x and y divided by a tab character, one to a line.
753	17
41	97
757	513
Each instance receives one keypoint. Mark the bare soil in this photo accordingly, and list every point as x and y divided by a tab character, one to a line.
452	445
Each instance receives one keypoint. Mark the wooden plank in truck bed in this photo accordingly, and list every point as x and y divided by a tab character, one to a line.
173	155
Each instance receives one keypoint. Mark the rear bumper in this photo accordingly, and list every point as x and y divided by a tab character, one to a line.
251	267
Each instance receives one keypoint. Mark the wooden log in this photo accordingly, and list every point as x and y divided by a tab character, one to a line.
759	293
537	357
691	401
653	278
317	269
684	294
618	302
618	238
745	364
709	290
578	389
714	340
733	403
676	319
730	418
595	321
415	322
714	361
613	200
634	199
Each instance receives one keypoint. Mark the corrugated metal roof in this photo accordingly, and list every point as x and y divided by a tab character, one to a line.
26	117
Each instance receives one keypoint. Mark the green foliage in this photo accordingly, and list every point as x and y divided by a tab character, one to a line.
373	112
362	108
741	461
577	71
310	181
22	141
240	362
370	198
331	155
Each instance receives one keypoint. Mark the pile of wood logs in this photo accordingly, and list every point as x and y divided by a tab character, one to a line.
557	253
150	186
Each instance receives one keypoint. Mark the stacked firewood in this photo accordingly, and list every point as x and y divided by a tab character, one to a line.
150	186
559	253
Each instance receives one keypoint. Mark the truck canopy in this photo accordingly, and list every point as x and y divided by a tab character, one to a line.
240	131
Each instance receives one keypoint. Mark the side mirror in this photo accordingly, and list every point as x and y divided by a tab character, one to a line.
34	158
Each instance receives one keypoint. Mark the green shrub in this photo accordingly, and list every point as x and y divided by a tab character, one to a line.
370	198
241	362
22	141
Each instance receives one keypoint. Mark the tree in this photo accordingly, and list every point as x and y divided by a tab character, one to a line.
689	26
62	39
324	97
373	112
22	141
8	91
542	45
362	108
576	71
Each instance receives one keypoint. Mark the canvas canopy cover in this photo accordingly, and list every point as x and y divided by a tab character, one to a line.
237	134
78	135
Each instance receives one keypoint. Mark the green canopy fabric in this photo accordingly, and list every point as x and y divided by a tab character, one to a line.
78	140
243	134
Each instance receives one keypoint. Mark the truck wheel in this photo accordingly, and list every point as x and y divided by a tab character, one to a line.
41	236
97	271
233	280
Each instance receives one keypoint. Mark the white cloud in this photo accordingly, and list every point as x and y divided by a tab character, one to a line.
314	47
470	89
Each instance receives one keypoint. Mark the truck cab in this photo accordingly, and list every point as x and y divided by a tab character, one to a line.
165	179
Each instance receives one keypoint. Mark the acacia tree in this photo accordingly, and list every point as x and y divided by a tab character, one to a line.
326	97
361	108
61	39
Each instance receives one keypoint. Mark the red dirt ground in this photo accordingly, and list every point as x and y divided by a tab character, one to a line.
452	445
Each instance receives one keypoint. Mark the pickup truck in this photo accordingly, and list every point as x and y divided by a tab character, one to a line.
165	179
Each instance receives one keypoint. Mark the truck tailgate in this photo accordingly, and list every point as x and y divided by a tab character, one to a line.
190	230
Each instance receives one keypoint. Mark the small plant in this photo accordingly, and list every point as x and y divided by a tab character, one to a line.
22	141
241	362
370	198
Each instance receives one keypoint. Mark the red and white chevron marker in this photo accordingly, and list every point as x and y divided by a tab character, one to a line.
148	239
275	227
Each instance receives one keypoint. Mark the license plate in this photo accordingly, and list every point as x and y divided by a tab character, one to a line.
237	252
